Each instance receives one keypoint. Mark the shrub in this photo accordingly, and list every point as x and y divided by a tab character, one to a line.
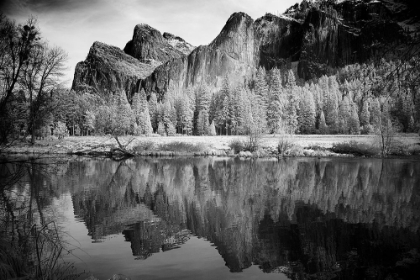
315	148
253	143
399	149
182	147
414	149
284	146
144	146
367	129
355	148
295	151
237	146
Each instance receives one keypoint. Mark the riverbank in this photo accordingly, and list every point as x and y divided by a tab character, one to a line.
268	145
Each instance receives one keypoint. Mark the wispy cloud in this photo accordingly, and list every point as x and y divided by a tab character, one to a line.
75	24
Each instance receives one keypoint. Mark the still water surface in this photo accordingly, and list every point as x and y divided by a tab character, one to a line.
213	218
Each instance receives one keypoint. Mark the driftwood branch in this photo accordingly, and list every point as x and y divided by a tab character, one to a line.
121	152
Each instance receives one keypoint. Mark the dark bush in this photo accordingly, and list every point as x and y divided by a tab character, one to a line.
355	148
144	146
237	146
284	146
181	147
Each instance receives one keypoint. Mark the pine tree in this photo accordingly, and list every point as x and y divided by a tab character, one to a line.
161	129
344	113
323	129
153	111
365	114
140	109
90	120
170	129
353	123
212	129
417	110
411	125
185	115
167	117
277	104
290	80
307	113
291	110
331	112
259	123
261	88
247	117
375	116
121	115
203	123
223	107
261	94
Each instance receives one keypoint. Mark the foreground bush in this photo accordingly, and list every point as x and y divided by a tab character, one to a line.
284	146
355	148
237	146
144	146
181	147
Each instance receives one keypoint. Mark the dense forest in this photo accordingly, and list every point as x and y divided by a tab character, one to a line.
355	99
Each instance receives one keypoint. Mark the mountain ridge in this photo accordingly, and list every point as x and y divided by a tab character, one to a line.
315	37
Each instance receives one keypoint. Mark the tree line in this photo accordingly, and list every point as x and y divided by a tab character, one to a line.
358	99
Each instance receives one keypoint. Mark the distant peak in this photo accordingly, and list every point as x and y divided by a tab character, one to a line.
239	16
98	44
144	26
169	36
236	19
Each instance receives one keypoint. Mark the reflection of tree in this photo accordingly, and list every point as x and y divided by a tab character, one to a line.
30	238
302	217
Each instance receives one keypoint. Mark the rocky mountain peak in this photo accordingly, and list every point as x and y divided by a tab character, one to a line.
237	27
149	46
108	69
178	43
313	37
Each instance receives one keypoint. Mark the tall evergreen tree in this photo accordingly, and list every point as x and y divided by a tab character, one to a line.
153	111
417	110
140	110
323	129
307	113
365	114
344	113
212	129
353	123
203	127
161	129
261	89
276	108
375	116
292	105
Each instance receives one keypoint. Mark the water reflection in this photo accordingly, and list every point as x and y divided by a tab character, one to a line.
307	218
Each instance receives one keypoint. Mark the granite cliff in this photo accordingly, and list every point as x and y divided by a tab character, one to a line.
312	38
109	69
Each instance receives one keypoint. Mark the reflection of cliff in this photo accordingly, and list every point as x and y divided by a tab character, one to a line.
302	217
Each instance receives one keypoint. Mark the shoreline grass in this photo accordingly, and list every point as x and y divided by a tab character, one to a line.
269	146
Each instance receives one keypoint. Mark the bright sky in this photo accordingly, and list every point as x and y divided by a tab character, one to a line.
75	24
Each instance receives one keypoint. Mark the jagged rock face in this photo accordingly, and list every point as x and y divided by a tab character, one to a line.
279	39
348	34
178	43
109	69
232	53
316	38
149	46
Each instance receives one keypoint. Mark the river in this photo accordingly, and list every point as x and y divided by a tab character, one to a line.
224	218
